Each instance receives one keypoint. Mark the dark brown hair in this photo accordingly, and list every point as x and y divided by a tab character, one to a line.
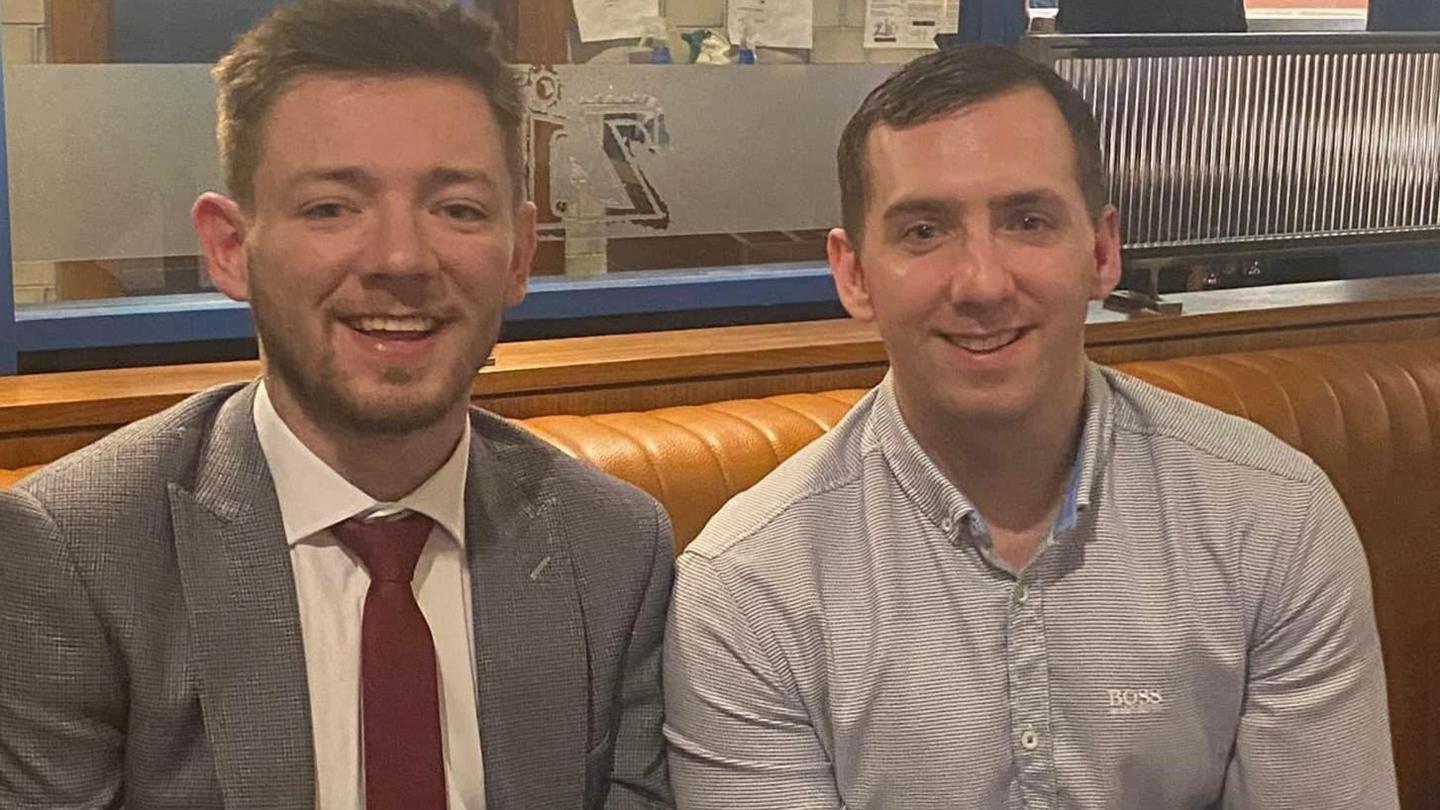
943	83
362	38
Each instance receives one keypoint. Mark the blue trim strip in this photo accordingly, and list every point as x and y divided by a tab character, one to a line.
132	322
9	348
558	297
211	316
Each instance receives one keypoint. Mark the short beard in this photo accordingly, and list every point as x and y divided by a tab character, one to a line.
326	403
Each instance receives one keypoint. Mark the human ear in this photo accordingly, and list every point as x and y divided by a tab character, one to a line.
221	226
522	253
849	273
1107	254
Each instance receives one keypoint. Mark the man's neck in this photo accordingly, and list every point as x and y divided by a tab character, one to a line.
1015	472
388	466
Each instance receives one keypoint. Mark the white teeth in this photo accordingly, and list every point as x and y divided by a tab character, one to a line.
409	324
985	343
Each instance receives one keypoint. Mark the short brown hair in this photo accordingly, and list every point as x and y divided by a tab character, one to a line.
356	37
943	83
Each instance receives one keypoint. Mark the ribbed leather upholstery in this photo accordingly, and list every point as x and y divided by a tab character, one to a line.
695	458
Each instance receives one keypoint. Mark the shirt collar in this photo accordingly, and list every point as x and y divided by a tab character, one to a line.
945	505
1094	449
914	470
313	496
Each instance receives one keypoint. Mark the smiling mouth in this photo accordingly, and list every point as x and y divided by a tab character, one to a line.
987	343
409	327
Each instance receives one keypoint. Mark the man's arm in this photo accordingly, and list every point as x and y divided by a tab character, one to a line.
1315	730
62	694
739	735
638	778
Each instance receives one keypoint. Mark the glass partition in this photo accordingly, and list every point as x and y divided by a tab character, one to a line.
642	167
639	169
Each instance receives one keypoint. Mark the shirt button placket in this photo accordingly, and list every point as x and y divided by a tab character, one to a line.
1029	675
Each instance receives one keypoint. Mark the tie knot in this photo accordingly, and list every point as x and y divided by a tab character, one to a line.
389	547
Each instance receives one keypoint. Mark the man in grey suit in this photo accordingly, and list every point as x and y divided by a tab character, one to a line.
206	609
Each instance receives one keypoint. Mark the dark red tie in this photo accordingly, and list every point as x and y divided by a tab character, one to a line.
404	763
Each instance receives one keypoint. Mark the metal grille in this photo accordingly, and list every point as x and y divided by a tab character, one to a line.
1241	148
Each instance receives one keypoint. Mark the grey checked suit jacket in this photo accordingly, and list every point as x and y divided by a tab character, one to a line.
150	648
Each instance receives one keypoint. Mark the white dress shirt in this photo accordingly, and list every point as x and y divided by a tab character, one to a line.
331	584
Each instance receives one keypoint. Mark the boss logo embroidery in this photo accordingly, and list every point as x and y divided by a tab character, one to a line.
1134	701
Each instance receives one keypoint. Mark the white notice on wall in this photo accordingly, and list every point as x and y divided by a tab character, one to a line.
909	23
615	19
772	23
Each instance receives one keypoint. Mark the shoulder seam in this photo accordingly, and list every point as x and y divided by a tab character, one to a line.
1123	422
781	508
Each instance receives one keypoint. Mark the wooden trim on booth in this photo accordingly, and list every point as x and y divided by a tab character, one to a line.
44	416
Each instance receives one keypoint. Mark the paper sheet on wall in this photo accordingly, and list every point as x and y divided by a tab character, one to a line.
909	23
615	19
772	23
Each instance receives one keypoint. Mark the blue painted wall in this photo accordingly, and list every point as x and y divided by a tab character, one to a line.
180	30
1404	15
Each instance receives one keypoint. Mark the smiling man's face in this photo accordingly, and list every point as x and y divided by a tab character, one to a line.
383	247
978	261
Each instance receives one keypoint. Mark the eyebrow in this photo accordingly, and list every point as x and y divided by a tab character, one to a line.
433	180
937	207
919	206
352	176
444	176
1028	199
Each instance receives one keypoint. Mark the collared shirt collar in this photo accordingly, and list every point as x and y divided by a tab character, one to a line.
313	496
1093	453
944	504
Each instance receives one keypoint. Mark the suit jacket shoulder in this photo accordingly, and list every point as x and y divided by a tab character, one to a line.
129	466
111	496
599	510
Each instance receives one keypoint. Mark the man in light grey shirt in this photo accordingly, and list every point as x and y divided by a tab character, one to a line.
1010	578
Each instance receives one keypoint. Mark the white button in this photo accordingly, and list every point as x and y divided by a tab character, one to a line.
1029	740
1021	593
947	525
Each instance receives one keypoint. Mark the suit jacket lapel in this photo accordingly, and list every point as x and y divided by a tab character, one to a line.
532	665
244	617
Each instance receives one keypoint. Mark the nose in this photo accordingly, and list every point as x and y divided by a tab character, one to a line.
399	242
980	278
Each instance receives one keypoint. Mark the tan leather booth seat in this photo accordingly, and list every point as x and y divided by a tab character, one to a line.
1369	413
8	477
695	458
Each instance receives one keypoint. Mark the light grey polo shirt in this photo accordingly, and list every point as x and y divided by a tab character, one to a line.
1198	631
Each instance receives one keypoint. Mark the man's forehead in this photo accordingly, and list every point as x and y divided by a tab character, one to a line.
325	117
330	88
1017	138
994	116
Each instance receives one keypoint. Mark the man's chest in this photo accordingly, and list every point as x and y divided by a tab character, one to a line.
1079	684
